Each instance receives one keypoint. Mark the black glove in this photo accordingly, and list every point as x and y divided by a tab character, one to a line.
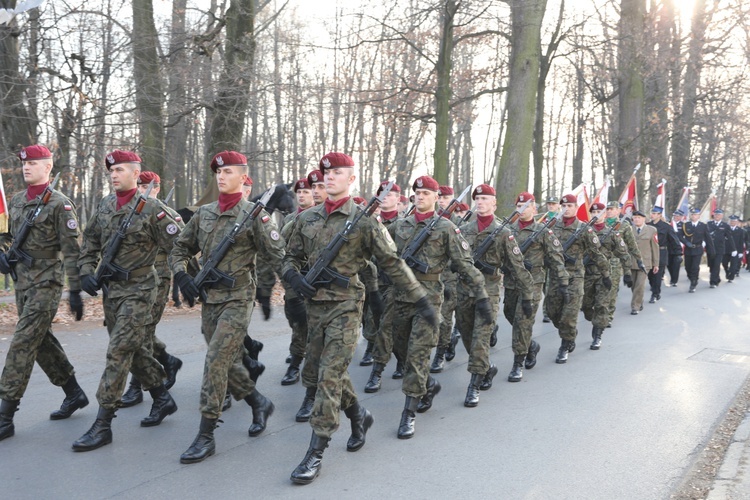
187	287
89	285
689	245
76	304
607	282
425	309
265	303
564	293
298	284
628	280
483	309
4	264
377	306
453	267
641	266
526	308
296	310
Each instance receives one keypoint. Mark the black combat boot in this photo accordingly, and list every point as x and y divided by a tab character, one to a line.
308	469
262	409
7	410
361	420
472	393
406	427
171	366
134	394
303	415
204	445
253	347
288	359
596	334
227	404
367	357
450	352
75	399
292	372
425	402
534	349
255	367
516	374
486	384
99	434
162	406
566	347
493	336
438	362
399	372
376	377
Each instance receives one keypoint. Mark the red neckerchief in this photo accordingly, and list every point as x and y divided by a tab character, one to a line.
388	215
484	221
422	217
599	226
300	209
523	224
569	220
228	201
333	205
34	191
123	197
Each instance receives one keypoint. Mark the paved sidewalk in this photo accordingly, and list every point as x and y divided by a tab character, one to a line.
733	480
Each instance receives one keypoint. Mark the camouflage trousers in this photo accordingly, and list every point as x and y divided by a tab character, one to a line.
130	347
33	341
446	312
299	330
522	326
595	304
266	278
224	327
333	330
615	274
565	316
381	353
369	330
162	296
475	335
413	341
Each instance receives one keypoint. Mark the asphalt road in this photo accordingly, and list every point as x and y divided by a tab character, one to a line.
625	422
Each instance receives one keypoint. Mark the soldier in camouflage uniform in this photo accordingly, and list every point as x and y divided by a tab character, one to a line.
334	312
626	233
129	299
585	246
171	364
502	254
553	206
595	304
546	251
38	290
413	337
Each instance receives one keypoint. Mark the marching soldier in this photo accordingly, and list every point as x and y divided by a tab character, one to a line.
39	283
553	206
614	217
675	248
648	245
694	236
665	232
723	243
132	286
733	260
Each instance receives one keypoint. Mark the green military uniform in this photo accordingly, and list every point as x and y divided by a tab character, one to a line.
291	299
626	233
450	286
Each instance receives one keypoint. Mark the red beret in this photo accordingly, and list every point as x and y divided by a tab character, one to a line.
226	158
462	207
119	156
359	200
35	152
485	189
248	181
524	197
333	160
445	191
314	177
596	206
394	188
302	184
403	199
569	198
147	177
426	182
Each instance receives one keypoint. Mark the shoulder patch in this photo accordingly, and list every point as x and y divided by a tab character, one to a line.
458	231
265	219
67	207
464	245
72	224
178	218
511	237
171	229
622	243
516	250
595	239
161	215
274	235
591	230
556	242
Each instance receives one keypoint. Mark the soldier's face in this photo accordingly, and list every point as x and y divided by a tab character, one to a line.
718	217
553	207
695	217
598	214
401	206
638	220
613	212
338	180
318	192
246	191
142	188
529	212
444	200
569	209
424	200
230	179
36	172
304	198
734	223
124	176
655	216
390	202
485	205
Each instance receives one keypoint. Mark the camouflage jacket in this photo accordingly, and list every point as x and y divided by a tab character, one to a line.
55	230
314	229
443	247
613	247
586	245
161	265
207	228
626	233
546	251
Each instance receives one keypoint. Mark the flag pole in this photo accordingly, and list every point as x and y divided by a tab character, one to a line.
635	171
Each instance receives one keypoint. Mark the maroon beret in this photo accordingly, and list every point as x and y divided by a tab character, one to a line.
147	177
248	181
426	182
403	199
359	200
315	177
333	160
485	189
462	207
226	158
302	184
569	198
394	189
35	152
119	156
524	197
445	191
596	206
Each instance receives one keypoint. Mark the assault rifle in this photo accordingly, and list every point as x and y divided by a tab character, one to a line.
466	216
209	275
531	239
412	248
604	238
574	237
320	274
485	245
15	254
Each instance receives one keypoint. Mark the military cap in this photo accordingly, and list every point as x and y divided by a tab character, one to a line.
446	191
359	200
484	189
462	207
404	199
718	211
302	184
335	160
147	177
695	210
394	189
596	206
734	217
35	152
426	182
638	213
552	199
524	197
678	212
226	158
613	204
248	181
119	156
569	198
657	210
315	177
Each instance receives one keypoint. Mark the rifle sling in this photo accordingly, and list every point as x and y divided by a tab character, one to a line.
426	277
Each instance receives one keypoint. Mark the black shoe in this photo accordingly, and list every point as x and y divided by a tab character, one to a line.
472	392
254	367
425	402
534	349
545	319
262	409
450	351
399	372
7	410
652	300
438	362
711	286
75	399
486	383
99	434
227	404
253	347
304	412
408	416
134	394
367	357
204	445
376	378
634	312
288	359
692	289
596	334
565	349
361	420
657	296
516	374
308	469
493	336
292	372
163	406
171	366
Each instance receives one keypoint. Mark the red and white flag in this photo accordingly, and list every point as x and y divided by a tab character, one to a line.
661	194
708	208
584	204
602	196
4	215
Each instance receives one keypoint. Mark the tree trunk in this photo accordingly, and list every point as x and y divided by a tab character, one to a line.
443	92
177	129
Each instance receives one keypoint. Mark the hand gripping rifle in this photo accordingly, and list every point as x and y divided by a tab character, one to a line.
412	248
574	237
485	245
535	236
209	276
15	253
321	274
